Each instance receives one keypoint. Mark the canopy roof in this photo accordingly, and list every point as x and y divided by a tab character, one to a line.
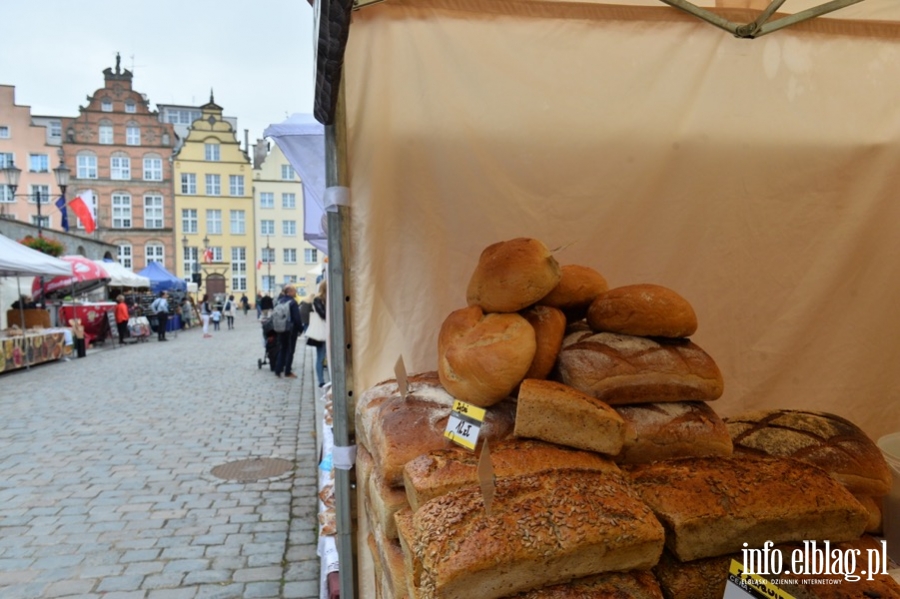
120	276
19	260
161	279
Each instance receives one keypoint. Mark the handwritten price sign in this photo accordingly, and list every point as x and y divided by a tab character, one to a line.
464	424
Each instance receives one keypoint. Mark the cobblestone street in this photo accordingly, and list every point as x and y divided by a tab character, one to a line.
106	487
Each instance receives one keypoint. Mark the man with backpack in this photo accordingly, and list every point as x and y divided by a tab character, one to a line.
161	307
286	323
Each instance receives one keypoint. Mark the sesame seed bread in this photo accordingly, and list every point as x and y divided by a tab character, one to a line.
645	310
512	275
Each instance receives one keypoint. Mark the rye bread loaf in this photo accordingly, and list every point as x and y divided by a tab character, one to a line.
637	584
483	357
512	275
384	501
711	506
544	529
439	472
557	413
668	430
623	369
826	440
577	288
377	568
644	310
549	326
389	556
396	429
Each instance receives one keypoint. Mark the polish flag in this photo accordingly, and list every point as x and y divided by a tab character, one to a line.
83	207
208	255
258	264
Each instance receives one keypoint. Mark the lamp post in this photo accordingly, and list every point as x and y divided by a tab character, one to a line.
269	266
187	266
12	174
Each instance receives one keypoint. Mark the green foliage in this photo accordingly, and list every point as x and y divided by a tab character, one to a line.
42	244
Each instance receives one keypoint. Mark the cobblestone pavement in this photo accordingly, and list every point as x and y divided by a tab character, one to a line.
106	487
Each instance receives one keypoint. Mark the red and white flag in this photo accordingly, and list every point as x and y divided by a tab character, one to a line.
208	255
83	207
258	264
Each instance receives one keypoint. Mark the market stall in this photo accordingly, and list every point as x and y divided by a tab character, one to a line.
163	280
93	316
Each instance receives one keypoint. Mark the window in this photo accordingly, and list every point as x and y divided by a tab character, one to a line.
125	255
310	255
39	191
154	252
214	222
238	222
189	220
86	166
132	135
290	255
236	185
289	200
191	263
268	283
120	167
289	279
38	163
121	211
130	106
106	105
6	159
106	135
55	129
188	183
238	269
216	252
153	169
213	185
266	199
268	255
287	172
4	132
267	227
6	196
45	221
93	196
289	228
153	212
212	152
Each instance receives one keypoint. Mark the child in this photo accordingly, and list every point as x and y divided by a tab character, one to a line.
216	318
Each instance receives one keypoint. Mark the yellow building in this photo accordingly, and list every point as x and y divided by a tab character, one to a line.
214	206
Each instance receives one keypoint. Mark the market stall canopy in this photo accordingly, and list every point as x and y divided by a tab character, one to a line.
120	276
19	260
86	275
161	279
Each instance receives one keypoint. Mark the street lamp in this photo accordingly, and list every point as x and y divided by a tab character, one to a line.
187	268
12	174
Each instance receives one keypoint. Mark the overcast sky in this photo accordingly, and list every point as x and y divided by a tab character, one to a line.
256	55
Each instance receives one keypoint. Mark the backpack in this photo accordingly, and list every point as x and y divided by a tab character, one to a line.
281	317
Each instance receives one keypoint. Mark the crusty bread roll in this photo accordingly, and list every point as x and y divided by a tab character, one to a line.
577	288
711	506
873	507
483	357
549	326
668	430
544	529
623	369
643	310
439	472
636	584
398	429
830	442
512	275
558	413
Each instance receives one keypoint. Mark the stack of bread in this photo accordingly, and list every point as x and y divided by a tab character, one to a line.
577	380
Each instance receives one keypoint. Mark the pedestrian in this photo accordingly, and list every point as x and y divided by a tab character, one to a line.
305	308
230	311
187	313
287	340
317	331
205	313
216	318
122	318
267	305
160	307
245	303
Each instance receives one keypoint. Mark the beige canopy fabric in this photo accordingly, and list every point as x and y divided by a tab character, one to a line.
759	179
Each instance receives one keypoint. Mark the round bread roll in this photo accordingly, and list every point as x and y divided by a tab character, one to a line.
577	288
643	310
483	357
512	275
549	328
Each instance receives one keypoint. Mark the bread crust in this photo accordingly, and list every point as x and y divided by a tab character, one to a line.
549	326
636	584
512	275
645	310
578	286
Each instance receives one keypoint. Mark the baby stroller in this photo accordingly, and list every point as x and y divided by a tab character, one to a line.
270	342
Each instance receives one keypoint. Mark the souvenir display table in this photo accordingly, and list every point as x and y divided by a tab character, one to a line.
34	347
92	316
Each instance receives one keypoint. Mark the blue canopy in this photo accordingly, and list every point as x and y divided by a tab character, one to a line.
161	279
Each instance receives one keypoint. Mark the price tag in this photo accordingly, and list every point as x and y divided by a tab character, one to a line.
741	585
402	380
464	424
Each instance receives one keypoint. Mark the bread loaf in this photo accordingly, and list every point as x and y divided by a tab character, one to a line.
483	357
830	442
698	579
557	413
439	472
622	369
389	556
711	506
396	429
549	326
873	507
577	288
668	430
512	275
385	501
644	310
544	529
377	568
637	584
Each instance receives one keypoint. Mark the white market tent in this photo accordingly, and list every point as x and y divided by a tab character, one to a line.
17	260
120	276
755	177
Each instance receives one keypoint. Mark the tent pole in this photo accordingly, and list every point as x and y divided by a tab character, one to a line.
340	362
22	317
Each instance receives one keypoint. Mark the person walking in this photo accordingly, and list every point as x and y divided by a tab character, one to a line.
230	311
245	303
317	331
305	309
187	313
258	306
160	307
287	340
122	318
205	314
268	304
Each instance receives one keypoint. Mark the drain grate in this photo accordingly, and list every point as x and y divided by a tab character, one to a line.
252	469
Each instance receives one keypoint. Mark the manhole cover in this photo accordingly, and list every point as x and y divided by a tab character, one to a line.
252	469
